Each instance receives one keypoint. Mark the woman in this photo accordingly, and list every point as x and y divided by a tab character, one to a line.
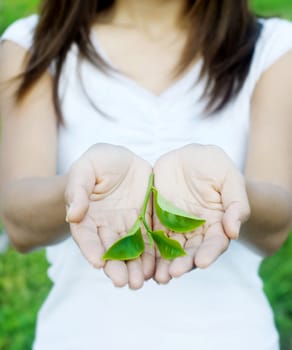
197	92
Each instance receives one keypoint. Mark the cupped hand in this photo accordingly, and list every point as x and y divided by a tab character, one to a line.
203	181
104	195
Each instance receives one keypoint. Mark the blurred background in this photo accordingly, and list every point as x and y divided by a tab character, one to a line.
23	280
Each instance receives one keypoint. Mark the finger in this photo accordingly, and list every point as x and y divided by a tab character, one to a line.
89	243
80	184
231	220
135	273
116	270
183	264
148	261
162	275
215	242
235	202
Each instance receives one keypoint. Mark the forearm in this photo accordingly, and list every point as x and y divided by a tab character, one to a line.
271	216
33	211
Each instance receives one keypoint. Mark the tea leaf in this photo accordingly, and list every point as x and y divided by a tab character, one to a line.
173	218
129	247
168	248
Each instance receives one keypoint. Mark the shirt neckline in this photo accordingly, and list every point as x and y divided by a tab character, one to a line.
179	87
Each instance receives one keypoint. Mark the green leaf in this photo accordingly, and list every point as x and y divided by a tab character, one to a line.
173	218
129	247
168	248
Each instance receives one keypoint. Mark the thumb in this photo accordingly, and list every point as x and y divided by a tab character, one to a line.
235	203
81	182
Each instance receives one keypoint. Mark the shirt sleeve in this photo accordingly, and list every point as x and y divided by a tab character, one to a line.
21	32
274	42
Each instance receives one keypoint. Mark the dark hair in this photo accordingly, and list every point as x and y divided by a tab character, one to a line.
224	34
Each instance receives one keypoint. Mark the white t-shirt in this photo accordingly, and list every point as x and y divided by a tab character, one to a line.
222	307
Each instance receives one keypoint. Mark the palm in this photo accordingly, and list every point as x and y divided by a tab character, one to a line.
200	180
109	185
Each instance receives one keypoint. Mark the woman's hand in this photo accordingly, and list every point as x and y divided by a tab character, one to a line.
203	181
104	196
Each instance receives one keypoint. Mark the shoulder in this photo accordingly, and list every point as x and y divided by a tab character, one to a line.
272	66
274	45
276	36
15	43
275	41
21	31
274	24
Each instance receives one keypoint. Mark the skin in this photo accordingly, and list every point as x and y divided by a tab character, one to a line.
30	188
101	209
136	39
200	186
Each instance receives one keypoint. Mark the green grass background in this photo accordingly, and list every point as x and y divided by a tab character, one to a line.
23	281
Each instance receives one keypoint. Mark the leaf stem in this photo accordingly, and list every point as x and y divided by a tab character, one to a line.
148	229
147	196
144	209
